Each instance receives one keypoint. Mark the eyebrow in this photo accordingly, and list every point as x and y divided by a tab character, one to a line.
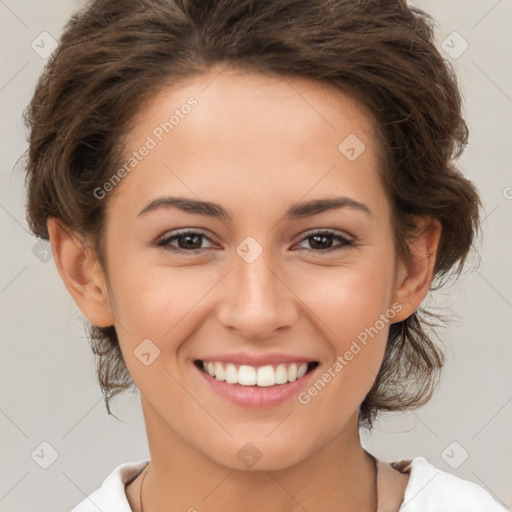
296	211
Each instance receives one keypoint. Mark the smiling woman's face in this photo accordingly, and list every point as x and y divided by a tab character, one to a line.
259	284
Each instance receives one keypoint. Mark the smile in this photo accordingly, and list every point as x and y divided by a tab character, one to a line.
262	376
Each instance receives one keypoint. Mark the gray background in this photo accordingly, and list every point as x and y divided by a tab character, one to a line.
48	383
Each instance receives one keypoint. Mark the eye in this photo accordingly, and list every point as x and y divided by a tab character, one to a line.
321	241
188	241
191	241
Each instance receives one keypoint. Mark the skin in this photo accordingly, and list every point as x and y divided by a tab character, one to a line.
255	145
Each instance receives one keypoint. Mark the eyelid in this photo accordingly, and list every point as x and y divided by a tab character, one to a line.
327	231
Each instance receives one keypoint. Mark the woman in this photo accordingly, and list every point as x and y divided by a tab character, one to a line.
249	201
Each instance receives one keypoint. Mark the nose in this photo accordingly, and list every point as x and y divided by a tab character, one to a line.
257	301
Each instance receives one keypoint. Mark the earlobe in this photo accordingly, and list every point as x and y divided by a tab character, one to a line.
415	277
81	273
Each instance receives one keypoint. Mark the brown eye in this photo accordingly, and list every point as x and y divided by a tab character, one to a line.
322	241
187	241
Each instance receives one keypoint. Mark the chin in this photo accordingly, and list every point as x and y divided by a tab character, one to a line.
261	456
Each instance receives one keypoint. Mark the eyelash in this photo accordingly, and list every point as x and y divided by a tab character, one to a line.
164	243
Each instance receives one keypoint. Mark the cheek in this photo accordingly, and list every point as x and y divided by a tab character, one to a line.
350	298
356	303
356	336
148	297
155	306
354	312
358	330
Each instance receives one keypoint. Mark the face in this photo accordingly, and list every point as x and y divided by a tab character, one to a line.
259	276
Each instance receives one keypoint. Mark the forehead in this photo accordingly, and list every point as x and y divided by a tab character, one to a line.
234	98
260	135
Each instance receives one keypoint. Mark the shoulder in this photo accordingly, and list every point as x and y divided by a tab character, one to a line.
432	490
111	496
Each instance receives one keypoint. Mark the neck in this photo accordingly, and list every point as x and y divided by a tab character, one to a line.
340	476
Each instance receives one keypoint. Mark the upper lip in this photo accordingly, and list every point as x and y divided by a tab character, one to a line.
257	359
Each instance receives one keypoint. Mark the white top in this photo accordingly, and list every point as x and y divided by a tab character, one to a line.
428	490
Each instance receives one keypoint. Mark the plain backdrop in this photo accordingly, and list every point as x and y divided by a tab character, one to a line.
49	392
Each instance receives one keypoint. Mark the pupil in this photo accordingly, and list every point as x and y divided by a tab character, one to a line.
188	238
320	245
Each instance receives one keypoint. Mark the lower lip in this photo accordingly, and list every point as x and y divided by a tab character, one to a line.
256	396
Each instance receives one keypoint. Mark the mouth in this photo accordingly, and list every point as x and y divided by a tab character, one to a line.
256	376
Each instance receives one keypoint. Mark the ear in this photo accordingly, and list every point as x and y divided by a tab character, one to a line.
81	273
415	276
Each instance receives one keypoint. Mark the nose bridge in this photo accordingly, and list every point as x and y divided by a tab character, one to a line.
258	302
256	282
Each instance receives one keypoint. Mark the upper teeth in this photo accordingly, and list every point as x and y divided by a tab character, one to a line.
255	376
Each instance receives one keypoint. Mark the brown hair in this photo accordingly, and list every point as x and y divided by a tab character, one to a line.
115	54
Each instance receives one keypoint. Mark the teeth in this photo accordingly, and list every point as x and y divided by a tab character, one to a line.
292	372
263	376
231	374
282	374
301	370
220	374
246	375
